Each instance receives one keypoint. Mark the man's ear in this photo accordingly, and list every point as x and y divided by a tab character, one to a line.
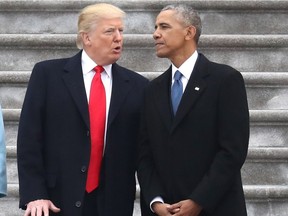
85	38
191	32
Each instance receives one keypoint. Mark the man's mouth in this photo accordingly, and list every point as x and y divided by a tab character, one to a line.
158	44
117	49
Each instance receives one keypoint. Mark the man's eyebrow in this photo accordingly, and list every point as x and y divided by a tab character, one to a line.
161	24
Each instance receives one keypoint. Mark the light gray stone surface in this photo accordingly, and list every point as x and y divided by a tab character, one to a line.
244	52
265	91
219	17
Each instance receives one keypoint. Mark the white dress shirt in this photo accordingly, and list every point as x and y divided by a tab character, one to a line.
186	69
106	76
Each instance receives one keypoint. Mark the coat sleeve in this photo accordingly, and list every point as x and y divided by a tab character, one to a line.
30	141
232	138
3	174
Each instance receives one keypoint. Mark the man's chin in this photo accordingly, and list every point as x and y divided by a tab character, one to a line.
160	55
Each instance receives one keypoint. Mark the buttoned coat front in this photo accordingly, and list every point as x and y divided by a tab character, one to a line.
54	139
198	153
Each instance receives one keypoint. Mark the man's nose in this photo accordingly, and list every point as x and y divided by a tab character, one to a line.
118	35
156	35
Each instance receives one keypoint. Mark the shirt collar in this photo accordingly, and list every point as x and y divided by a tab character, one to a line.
88	64
187	67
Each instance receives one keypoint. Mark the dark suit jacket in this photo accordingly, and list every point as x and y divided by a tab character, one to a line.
198	153
54	140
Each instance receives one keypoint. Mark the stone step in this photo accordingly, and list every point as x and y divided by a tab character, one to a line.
244	52
265	91
219	17
264	166
267	200
268	128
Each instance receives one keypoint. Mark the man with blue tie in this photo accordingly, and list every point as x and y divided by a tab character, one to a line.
195	127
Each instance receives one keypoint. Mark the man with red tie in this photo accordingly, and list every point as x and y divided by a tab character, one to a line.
78	126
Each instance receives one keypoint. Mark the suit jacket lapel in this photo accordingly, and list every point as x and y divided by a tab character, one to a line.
196	85
121	86
73	78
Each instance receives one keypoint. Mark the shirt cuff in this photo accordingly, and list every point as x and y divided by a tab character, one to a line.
156	199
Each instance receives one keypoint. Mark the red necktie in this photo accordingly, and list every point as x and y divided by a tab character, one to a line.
97	112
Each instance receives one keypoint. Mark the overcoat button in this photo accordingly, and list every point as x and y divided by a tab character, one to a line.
83	169
88	133
78	204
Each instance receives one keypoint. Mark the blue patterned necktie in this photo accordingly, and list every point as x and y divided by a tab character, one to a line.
176	91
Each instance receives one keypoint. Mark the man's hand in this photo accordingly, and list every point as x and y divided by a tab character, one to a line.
161	209
185	208
40	207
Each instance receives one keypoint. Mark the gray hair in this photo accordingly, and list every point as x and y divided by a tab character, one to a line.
188	16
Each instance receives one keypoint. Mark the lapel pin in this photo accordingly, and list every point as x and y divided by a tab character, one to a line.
197	88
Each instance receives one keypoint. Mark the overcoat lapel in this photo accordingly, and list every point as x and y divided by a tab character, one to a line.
162	97
73	78
120	89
